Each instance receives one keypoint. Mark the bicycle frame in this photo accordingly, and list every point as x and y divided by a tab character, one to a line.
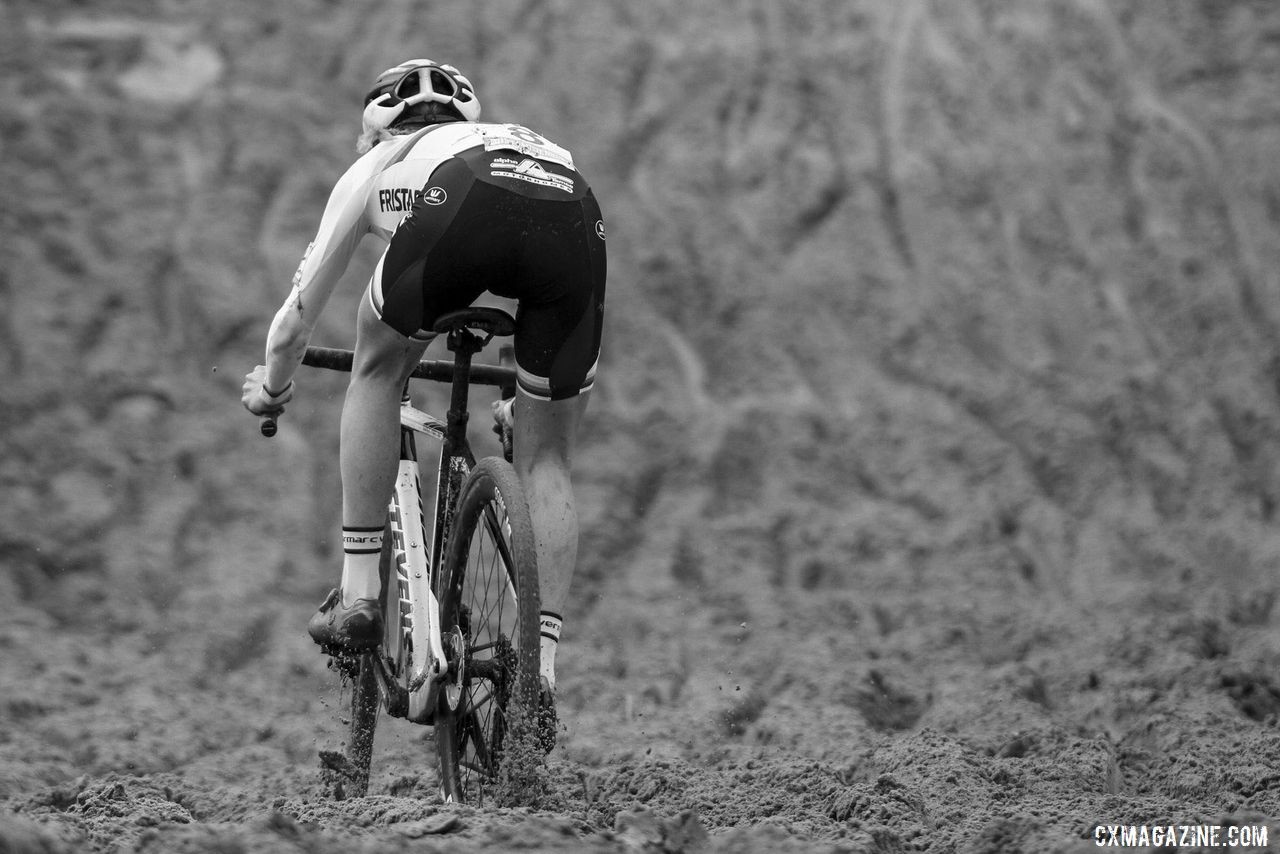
415	570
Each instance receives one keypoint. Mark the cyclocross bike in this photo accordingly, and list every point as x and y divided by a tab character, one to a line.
459	584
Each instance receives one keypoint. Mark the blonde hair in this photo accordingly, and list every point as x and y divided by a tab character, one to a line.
416	118
369	138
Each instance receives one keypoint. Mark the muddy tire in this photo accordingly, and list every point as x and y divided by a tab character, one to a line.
365	702
364	721
489	593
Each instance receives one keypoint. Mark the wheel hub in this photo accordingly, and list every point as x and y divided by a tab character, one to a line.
455	647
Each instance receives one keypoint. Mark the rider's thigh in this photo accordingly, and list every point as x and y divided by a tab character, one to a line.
381	351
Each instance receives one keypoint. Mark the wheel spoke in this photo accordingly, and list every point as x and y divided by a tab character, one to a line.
478	746
478	701
494	526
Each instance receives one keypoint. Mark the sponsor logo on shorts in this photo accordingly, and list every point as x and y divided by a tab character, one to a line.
531	171
398	199
600	229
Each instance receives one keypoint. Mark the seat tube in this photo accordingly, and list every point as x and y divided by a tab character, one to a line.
456	421
452	468
408	449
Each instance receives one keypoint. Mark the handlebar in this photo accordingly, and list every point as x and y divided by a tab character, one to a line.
333	359
428	369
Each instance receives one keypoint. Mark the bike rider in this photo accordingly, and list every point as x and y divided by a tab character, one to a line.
465	207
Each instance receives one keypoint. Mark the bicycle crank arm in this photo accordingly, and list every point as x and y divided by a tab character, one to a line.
394	698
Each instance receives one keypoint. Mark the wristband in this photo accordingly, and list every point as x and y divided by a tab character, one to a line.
272	396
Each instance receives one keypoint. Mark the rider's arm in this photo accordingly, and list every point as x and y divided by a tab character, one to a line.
341	228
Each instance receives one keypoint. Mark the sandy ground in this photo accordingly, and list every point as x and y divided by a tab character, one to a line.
931	505
887	713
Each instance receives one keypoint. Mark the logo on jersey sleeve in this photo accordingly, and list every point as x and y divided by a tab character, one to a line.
297	277
399	199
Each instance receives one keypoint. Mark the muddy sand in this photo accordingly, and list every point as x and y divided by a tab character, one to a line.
895	711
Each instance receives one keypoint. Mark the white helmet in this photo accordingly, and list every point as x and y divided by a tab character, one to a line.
420	81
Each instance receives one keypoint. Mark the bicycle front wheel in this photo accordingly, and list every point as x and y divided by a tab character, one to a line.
364	721
489	613
365	700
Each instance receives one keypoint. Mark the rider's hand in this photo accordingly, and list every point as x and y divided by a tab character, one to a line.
257	400
504	424
378	117
504	414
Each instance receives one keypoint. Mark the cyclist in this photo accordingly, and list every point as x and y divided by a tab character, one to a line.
465	207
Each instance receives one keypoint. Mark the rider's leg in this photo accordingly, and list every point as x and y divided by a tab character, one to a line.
545	433
370	447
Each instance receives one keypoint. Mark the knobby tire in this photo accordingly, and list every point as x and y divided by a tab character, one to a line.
364	721
365	701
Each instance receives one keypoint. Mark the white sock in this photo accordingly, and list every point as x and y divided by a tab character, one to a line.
360	550
551	623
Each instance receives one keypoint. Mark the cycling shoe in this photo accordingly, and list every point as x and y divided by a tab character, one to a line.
358	627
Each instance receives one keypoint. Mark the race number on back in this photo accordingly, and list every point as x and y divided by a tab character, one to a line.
520	138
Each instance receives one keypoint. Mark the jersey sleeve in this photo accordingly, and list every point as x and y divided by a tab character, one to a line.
343	224
341	227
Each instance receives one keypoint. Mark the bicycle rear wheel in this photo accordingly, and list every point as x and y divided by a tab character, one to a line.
489	607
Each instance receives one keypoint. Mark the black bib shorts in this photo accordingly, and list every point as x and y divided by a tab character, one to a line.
516	227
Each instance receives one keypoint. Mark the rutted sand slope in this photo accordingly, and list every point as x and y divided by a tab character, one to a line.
929	489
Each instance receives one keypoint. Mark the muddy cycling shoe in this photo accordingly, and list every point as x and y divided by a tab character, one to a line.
358	627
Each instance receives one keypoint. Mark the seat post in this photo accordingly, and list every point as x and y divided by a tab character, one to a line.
464	344
408	449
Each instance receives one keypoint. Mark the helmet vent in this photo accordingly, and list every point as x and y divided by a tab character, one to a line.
421	80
